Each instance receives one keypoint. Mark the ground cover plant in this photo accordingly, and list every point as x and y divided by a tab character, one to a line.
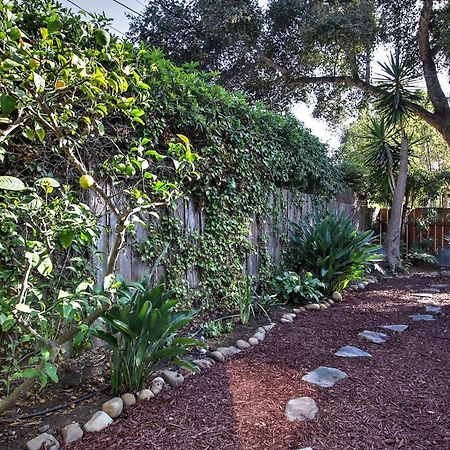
296	288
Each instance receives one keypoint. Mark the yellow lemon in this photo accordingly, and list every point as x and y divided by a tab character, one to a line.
86	181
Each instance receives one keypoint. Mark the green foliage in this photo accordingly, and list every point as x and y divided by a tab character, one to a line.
143	327
333	250
418	253
299	289
47	239
215	328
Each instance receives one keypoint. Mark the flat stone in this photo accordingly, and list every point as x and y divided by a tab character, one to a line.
113	407
47	440
260	330
253	341
99	421
305	448
312	307
373	336
323	306
400	328
423	295
330	301
203	363
72	433
229	351
348	351
418	317
217	356
439	286
241	344
146	394
433	309
428	301
283	320
172	378
128	399
300	409
286	318
325	376
431	290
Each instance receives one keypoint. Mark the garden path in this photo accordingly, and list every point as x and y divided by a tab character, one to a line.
396	399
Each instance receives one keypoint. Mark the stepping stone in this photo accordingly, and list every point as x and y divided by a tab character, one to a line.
348	351
373	336
305	448
439	286
417	317
428	302
325	376
433	309
431	290
399	328
300	409
423	295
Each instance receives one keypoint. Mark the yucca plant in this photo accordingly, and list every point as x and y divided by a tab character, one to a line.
333	250
142	331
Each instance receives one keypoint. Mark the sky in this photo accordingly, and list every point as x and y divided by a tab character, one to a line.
117	12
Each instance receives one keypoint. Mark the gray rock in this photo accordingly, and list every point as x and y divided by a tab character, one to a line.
72	433
284	320
433	309
312	307
348	351
260	330
99	421
305	448
336	296
400	328
229	351
269	327
288	317
428	301
418	317
259	336
49	442
253	341
431	290
423	295
113	407
330	301
203	363
241	344
439	286
157	385
323	306
172	378
128	399
325	376
146	394
300	409
217	356
373	336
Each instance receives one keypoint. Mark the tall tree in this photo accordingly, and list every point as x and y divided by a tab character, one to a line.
289	49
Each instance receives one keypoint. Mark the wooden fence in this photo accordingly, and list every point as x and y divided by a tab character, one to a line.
423	224
274	229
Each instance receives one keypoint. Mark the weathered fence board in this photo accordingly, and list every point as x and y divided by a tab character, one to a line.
270	231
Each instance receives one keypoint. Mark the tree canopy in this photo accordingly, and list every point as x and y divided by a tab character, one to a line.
289	49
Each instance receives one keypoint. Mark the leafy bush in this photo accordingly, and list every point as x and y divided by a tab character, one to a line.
333	250
296	289
143	327
215	328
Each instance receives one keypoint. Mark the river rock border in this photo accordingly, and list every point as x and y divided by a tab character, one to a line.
114	407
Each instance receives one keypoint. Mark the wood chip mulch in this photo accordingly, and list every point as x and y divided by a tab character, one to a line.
398	399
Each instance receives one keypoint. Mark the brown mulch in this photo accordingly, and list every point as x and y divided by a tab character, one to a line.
396	400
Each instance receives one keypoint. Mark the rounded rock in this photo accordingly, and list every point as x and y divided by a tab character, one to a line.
145	395
312	307
260	336
203	363
113	407
269	327
47	440
284	320
128	399
253	341
242	344
173	379
336	296
157	385
261	330
217	356
323	306
98	422
72	433
300	409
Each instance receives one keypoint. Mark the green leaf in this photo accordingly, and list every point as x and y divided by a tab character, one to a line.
51	370
47	181
45	267
66	238
40	132
39	82
22	307
11	183
8	104
29	373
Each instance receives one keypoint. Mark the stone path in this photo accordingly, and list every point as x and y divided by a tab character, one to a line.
328	376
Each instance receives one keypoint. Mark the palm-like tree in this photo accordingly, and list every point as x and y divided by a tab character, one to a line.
397	89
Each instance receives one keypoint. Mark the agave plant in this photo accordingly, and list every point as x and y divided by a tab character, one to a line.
142	334
333	250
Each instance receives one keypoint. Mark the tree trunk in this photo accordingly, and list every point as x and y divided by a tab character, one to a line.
391	242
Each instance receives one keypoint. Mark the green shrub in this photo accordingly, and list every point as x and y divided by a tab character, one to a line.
333	250
212	328
296	289
146	325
